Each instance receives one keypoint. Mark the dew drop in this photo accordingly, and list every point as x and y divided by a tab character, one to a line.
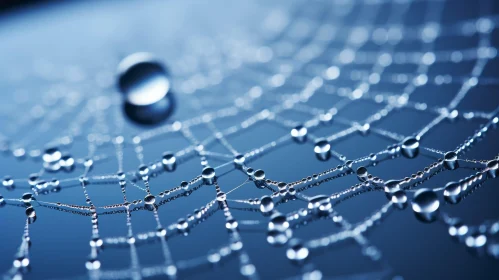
410	147
322	149
27	198
221	196
239	160
67	162
297	251
208	175
299	133
149	199
278	222
450	160
319	204
169	161
425	205
266	204
145	84
231	224
399	198
259	175
278	237
30	212
452	192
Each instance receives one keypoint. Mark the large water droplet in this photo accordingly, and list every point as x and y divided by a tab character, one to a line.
169	161
278	222
425	205
145	84
266	204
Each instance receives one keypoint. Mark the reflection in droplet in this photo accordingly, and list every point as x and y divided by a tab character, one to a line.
322	149
425	205
146	86
410	147
297	251
452	192
266	204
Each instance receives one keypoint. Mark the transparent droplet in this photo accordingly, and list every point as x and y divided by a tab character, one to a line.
458	230
92	264
452	192
67	162
299	133
27	198
319	204
259	175
160	232
399	198
30	212
362	173
231	224
239	160
278	222
410	147
450	160
51	155
96	242
248	270
266	204
322	149
182	224
297	251
425	205
279	237
149	199
8	183
476	240
142	79
184	185
143	170
169	161
208	175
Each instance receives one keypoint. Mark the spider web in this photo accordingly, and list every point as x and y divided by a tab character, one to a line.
363	75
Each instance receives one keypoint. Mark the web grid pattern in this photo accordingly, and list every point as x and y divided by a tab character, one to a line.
316	61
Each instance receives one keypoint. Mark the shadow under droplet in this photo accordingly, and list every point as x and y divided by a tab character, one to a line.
150	114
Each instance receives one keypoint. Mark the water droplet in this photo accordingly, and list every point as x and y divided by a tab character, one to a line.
450	160
248	270
452	192
214	257
410	147
279	237
21	262
259	175
208	175
149	199
169	161
30	212
146	86
231	224
88	162
27	197
8	183
184	185
372	157
299	133
266	204
96	242
319	204
221	196
67	162
239	160
458	230
362	173
399	198
493	168
391	186
182	224
322	149
278	222
51	155
92	264
33	178
476	240
297	251
143	171
160	232
425	205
